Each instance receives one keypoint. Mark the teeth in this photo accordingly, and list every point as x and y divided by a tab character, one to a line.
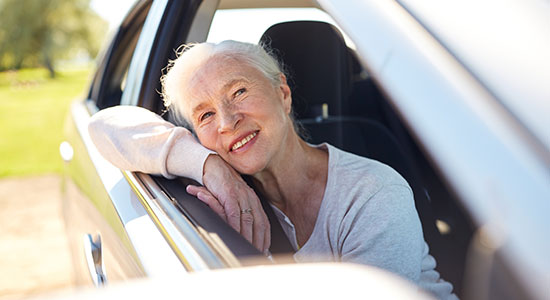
242	142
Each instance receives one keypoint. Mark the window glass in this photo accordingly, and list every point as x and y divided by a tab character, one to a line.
248	25
114	72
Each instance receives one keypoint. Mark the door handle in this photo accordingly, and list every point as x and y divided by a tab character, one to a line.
66	151
94	259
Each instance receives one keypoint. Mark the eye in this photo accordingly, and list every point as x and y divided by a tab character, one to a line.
239	92
206	116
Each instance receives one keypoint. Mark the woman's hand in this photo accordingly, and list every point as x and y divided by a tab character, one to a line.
234	201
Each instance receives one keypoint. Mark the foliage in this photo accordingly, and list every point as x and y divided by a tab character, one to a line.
40	32
32	111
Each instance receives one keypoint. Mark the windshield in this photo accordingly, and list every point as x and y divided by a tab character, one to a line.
235	23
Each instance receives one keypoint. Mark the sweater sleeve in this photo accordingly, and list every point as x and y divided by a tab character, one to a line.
136	139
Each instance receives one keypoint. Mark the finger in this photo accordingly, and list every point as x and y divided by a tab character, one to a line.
267	236
205	196
262	232
233	213
261	228
247	224
213	203
193	189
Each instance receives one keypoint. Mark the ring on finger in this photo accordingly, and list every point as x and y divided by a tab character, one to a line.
246	210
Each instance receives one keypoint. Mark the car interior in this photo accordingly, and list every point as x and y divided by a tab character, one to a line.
335	100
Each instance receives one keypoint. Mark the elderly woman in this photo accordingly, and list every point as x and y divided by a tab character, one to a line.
330	203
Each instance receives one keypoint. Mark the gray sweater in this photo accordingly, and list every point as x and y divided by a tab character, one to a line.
368	216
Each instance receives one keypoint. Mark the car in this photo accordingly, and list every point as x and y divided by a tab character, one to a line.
453	95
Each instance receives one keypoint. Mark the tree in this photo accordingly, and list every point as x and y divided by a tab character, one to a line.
40	32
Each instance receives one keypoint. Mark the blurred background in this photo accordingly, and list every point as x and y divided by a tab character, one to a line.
47	52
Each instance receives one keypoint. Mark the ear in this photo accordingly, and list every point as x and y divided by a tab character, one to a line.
286	94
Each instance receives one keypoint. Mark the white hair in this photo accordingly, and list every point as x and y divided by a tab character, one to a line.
191	57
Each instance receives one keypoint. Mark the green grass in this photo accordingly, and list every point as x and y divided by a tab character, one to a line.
32	110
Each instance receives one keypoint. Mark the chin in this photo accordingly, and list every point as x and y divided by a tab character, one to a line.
248	169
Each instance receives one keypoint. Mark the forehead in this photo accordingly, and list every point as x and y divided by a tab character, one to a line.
217	72
215	77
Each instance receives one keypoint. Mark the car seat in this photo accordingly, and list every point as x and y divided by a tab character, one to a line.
313	65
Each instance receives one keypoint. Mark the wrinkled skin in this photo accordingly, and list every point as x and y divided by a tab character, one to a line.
226	102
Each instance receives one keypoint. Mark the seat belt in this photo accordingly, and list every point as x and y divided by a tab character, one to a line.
280	243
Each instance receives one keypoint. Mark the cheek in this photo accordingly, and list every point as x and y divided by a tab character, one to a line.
265	107
208	137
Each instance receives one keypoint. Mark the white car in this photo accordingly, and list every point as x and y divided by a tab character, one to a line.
455	95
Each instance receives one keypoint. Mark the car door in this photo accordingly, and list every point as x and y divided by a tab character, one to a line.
110	231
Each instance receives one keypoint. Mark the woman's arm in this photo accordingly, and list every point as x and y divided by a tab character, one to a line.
136	139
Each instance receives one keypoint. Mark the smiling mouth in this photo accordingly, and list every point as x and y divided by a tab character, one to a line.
244	141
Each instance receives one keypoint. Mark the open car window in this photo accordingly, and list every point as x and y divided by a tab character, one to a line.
362	109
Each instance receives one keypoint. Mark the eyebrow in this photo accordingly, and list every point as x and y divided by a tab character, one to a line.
224	88
231	83
198	108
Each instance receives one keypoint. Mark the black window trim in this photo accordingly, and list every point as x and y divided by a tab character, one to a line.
105	67
168	38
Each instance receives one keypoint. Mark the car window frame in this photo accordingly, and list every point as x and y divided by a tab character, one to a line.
109	67
229	247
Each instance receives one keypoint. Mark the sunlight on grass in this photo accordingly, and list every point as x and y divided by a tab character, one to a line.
32	111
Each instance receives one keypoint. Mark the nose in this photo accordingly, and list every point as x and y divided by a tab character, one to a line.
229	120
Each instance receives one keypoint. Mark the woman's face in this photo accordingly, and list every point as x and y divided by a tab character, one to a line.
237	112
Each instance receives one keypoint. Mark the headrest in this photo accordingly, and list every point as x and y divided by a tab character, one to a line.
317	61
